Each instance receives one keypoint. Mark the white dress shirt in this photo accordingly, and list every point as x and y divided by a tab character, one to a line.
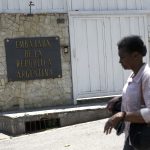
132	100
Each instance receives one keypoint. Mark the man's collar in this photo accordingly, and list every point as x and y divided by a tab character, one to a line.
139	75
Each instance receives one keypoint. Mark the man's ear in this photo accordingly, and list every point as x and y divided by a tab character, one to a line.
135	55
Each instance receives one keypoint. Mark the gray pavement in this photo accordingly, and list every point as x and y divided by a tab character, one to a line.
85	136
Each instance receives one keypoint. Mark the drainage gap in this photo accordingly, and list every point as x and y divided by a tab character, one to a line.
43	124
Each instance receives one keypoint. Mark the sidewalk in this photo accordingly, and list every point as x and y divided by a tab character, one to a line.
3	136
84	136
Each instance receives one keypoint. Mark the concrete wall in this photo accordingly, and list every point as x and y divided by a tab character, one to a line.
34	93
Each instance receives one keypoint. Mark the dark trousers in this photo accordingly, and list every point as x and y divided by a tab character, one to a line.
127	146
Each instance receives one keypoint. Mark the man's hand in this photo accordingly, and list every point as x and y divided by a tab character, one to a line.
113	121
111	103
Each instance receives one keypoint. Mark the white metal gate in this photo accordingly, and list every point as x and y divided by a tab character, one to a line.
95	63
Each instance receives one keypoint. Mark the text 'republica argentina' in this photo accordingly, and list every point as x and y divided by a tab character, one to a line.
33	58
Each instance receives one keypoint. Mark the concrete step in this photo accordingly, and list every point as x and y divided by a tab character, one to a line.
95	100
17	123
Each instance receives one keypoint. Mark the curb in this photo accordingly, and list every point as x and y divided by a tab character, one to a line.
17	123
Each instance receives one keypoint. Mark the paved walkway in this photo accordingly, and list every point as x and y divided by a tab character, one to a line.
85	136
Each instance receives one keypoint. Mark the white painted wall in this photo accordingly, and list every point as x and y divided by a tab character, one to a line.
14	6
22	6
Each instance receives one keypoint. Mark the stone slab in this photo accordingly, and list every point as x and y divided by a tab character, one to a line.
13	123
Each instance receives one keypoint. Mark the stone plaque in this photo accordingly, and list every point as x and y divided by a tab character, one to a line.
33	58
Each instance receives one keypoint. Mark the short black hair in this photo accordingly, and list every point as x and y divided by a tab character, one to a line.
133	43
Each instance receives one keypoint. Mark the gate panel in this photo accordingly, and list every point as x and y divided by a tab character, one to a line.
102	60
96	69
82	56
92	47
